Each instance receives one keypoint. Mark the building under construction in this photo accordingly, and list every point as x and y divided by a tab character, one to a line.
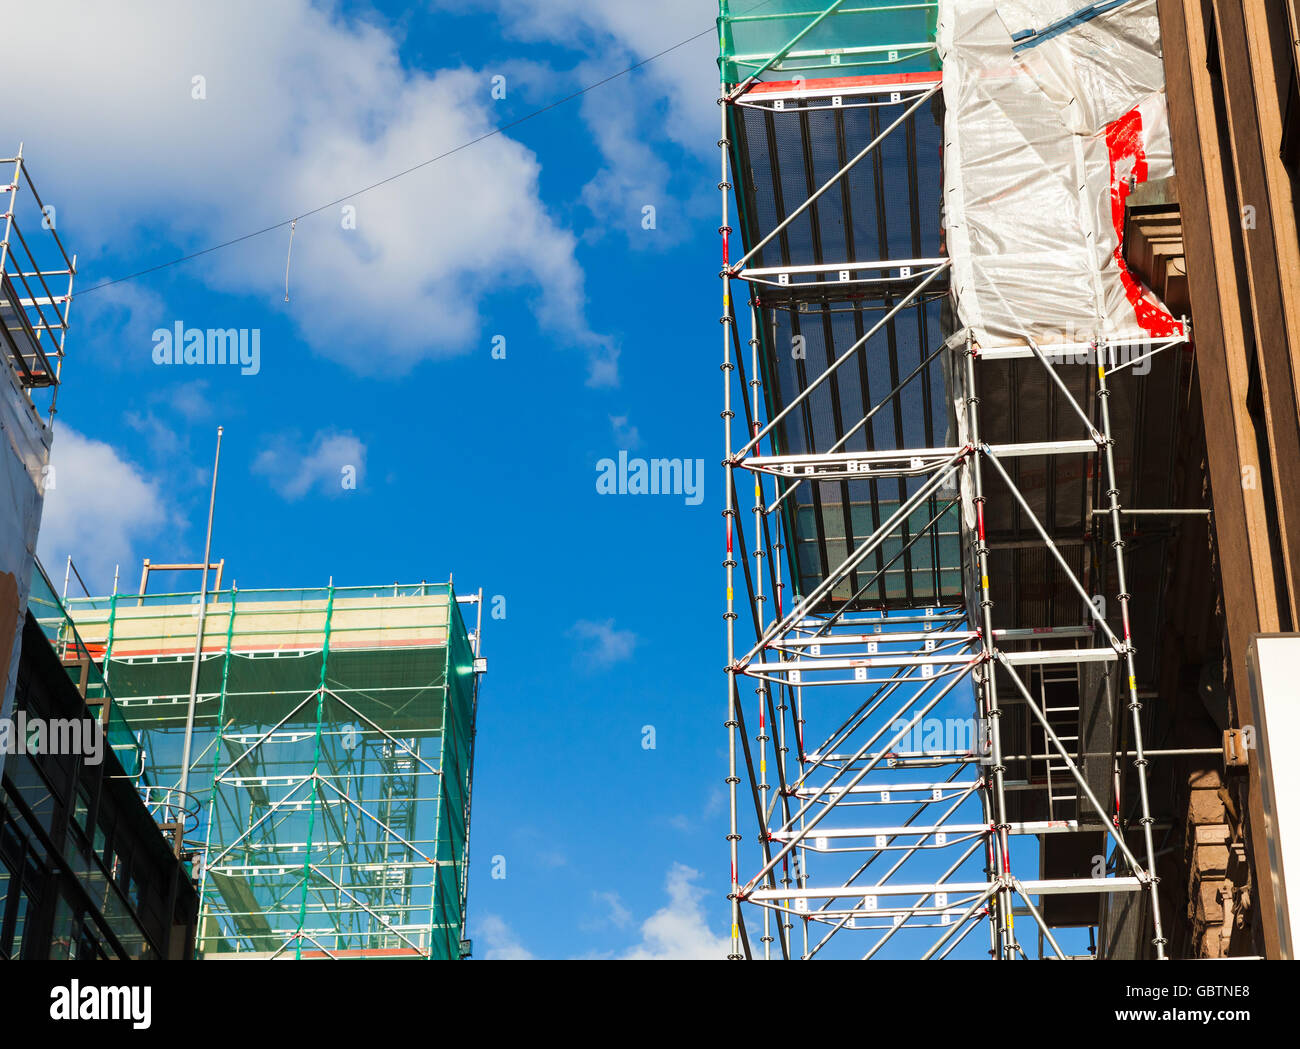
1007	636
283	773
327	796
85	873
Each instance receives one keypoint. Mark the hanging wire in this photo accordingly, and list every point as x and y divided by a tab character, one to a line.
289	258
416	167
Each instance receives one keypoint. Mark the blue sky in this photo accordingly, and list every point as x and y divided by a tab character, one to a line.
381	360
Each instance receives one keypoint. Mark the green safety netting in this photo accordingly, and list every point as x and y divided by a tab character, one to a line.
47	608
851	38
330	766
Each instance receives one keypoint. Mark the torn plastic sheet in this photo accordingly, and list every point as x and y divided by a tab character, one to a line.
1092	60
1034	211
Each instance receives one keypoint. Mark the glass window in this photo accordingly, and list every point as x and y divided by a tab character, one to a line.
7	883
89	948
121	922
31	788
64	931
81	810
122	866
20	922
77	852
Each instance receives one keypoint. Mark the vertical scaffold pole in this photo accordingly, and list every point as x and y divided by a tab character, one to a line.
216	770
1134	705
184	784
13	208
760	599
315	773
729	515
992	712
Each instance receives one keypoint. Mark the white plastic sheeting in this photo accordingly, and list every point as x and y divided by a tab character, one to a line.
1091	60
24	456
1055	111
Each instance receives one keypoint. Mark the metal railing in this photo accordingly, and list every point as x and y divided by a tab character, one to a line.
36	277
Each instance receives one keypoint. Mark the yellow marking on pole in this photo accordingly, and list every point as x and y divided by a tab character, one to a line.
728	593
986	582
1132	682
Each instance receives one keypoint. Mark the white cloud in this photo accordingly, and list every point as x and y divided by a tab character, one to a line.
679	930
98	508
499	941
685	80
602	366
713	806
551	859
328	460
115	324
602	645
169	448
190	400
303	108
671	100
625	434
635	176
615	913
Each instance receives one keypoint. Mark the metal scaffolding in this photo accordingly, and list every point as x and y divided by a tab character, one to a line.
912	754
36	275
328	806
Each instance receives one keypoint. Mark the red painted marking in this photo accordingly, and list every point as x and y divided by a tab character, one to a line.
1124	142
361	952
782	87
123	649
